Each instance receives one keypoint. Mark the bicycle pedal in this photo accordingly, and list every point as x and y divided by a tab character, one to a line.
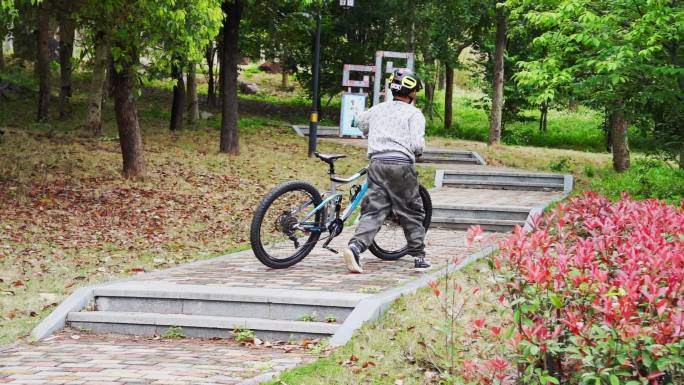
331	249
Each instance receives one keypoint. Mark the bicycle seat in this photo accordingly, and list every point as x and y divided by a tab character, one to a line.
329	158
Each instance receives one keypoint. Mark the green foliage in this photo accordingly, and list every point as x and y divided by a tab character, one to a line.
615	55
174	333
243	335
648	178
308	317
330	318
180	28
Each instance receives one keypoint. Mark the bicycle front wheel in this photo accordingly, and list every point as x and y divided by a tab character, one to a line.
278	235
390	242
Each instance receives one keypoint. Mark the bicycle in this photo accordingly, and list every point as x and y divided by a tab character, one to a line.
292	217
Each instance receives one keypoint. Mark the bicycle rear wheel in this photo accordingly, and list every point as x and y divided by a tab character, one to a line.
390	242
277	236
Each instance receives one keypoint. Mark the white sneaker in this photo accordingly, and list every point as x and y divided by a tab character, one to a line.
352	259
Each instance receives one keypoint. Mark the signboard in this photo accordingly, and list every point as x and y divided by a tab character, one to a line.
352	105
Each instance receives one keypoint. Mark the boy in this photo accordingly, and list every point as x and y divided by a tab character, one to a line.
396	135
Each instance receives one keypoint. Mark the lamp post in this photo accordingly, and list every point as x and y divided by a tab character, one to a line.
313	118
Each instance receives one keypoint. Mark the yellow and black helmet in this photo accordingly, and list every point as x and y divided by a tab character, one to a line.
403	81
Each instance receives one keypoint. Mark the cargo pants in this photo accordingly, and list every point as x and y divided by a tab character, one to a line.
392	186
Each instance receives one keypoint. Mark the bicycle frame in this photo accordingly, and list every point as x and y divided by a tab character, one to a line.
334	197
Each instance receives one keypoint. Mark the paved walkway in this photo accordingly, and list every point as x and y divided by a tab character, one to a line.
109	360
103	359
106	359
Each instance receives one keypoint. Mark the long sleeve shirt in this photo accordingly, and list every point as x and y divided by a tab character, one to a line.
394	127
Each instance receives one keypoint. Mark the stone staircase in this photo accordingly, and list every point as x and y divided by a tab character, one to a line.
451	157
497	180
467	193
323	131
148	309
497	199
490	218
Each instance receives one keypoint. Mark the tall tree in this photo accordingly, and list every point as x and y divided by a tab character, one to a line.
7	17
134	27
210	57
614	56
101	55
191	94
498	78
448	96
43	61
447	28
67	29
178	103
195	28
229	82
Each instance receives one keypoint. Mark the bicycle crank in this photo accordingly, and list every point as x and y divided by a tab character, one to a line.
335	228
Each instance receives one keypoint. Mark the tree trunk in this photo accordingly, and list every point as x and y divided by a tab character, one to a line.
43	62
544	109
220	62
193	100
67	29
441	78
211	92
430	98
229	83
2	53
498	79
126	110
95	96
448	97
619	141
178	104
285	80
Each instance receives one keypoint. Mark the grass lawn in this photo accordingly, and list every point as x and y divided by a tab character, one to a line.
575	130
407	344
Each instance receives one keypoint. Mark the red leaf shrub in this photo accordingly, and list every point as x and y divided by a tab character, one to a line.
598	292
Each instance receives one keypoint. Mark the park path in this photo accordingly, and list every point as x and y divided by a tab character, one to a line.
74	357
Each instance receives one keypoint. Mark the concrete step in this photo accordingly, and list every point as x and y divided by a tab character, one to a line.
447	160
494	225
513	213
167	298
322	131
505	180
149	324
451	157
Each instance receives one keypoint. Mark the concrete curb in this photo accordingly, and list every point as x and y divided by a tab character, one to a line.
57	319
266	376
539	210
568	182
479	158
371	308
297	130
439	178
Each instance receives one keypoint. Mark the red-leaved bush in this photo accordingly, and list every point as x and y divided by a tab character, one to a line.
597	289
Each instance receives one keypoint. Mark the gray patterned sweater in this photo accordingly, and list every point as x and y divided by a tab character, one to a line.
393	128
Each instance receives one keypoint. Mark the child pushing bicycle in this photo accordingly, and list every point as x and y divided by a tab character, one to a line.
396	136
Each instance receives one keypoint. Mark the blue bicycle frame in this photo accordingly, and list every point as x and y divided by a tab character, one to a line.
334	198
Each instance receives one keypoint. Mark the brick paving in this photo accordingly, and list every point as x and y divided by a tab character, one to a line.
321	270
117	360
494	197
